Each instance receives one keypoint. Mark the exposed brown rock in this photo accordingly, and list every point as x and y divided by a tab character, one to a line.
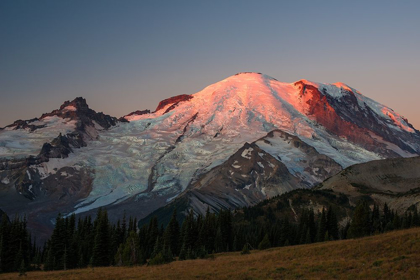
175	100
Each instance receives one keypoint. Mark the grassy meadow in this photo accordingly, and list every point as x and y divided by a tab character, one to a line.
394	255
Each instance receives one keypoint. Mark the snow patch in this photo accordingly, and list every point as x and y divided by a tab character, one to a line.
5	181
171	198
22	143
69	108
247	153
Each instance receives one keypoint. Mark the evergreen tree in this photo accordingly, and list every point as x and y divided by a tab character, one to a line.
360	224
245	249
376	220
322	227
396	222
22	268
101	242
182	253
218	242
265	243
416	219
172	234
152	235
157	248
332	224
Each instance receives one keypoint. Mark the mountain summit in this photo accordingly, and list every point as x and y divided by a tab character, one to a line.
236	142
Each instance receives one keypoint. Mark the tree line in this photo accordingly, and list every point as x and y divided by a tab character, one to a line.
87	242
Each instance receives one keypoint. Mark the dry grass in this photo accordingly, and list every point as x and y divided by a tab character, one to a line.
394	255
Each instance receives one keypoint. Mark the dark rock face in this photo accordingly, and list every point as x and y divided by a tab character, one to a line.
138	112
337	116
251	175
21	124
61	146
242	181
175	100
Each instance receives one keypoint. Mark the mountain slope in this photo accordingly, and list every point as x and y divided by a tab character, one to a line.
272	165
392	181
395	182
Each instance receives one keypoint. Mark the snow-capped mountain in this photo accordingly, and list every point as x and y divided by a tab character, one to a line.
240	140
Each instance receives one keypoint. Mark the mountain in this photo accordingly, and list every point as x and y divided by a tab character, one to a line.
233	144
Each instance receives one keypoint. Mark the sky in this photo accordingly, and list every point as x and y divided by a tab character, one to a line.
125	55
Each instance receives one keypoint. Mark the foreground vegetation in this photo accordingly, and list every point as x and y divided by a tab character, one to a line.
394	255
98	243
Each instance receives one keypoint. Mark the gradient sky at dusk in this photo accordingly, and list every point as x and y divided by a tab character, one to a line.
128	55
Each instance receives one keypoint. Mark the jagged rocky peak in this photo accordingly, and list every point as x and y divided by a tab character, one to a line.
79	103
70	108
79	110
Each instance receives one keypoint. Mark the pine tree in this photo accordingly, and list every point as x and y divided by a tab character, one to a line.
245	249
396	222
218	243
101	242
265	243
322	227
157	248
172	234
182	253
22	268
416	219
332	224
308	237
376	220
235	244
152	235
360	224
123	229
189	231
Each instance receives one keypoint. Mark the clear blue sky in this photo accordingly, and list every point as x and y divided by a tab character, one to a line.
128	55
